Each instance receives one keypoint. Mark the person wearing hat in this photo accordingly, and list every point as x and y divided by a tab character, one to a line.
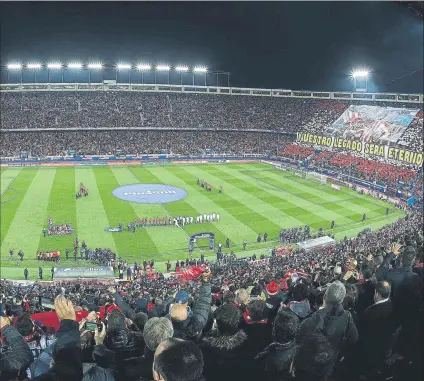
274	299
332	320
186	326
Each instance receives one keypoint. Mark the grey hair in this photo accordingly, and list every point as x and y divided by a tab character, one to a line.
157	330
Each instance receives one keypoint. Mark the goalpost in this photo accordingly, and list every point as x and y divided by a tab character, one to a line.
318	177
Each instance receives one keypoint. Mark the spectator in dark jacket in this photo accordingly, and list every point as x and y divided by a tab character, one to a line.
366	291
224	349
395	276
177	359
257	328
334	322
122	348
300	304
18	358
314	360
275	298
67	354
376	326
190	327
276	359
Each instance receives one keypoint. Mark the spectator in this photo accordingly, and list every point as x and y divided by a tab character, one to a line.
122	348
333	321
224	349
277	357
14	363
178	360
366	290
376	326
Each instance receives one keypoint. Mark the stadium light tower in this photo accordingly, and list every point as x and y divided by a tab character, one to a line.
122	67
200	69
360	75
143	67
75	65
93	66
181	69
14	67
54	66
163	68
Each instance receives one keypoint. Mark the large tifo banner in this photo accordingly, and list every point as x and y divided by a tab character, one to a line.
381	150
372	124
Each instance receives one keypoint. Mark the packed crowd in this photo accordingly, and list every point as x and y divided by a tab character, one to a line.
172	110
140	142
346	312
28	110
366	169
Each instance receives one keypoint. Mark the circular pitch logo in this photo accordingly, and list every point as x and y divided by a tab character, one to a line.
149	193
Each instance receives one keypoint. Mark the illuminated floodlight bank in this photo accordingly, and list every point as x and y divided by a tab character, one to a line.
360	73
181	68
54	66
200	69
34	66
75	65
144	67
95	65
122	66
163	68
14	66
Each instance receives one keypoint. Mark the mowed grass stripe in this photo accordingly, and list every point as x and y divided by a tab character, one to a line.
8	209
175	237
119	211
61	208
181	208
197	197
90	212
243	205
296	211
26	228
302	209
7	177
346	205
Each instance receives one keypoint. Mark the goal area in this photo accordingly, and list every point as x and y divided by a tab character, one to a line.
317	177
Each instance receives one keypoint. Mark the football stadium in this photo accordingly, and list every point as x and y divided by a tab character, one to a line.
159	223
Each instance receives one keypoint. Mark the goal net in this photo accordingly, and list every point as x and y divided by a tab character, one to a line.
318	177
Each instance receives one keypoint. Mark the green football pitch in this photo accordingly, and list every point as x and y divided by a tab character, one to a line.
256	199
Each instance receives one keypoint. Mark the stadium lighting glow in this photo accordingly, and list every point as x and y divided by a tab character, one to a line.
74	65
14	66
123	66
163	68
95	66
34	66
181	68
360	73
54	66
200	69
144	67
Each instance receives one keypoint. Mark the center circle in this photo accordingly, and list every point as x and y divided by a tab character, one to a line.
149	193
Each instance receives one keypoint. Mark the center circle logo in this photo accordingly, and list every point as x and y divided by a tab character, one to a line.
149	193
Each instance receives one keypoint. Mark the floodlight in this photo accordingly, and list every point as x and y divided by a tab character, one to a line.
54	66
14	66
360	73
95	66
163	68
200	69
34	66
144	67
75	65
181	68
123	66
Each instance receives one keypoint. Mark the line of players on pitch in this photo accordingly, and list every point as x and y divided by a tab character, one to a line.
176	221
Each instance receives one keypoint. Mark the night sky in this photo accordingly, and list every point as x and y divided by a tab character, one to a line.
298	46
